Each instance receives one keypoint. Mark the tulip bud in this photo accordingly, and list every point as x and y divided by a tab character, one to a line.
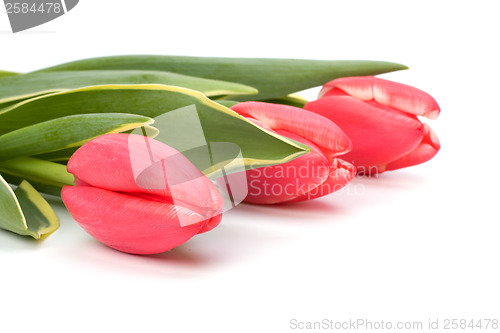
309	176
138	195
380	118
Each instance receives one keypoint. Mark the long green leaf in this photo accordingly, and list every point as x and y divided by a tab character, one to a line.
63	155
227	103
40	187
7	73
25	211
219	124
292	99
65	132
7	104
36	171
273	78
19	87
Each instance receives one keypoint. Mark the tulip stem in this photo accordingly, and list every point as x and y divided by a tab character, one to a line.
40	171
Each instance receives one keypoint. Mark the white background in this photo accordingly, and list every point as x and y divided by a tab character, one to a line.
412	245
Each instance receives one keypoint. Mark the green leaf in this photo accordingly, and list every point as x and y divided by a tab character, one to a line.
227	103
219	124
292	100
53	175
272	77
40	218
6	73
61	156
7	104
11	217
24	86
25	211
40	187
65	132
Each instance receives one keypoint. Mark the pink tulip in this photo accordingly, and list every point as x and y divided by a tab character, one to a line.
309	176
381	119
138	195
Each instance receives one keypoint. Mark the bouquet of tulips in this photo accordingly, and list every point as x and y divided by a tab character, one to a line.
148	151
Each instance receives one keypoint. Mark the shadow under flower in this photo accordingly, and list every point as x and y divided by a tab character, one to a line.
224	247
362	192
299	212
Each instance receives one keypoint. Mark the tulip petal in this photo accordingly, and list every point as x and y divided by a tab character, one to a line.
379	134
142	166
396	95
327	91
211	224
426	150
284	182
308	125
130	224
341	173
